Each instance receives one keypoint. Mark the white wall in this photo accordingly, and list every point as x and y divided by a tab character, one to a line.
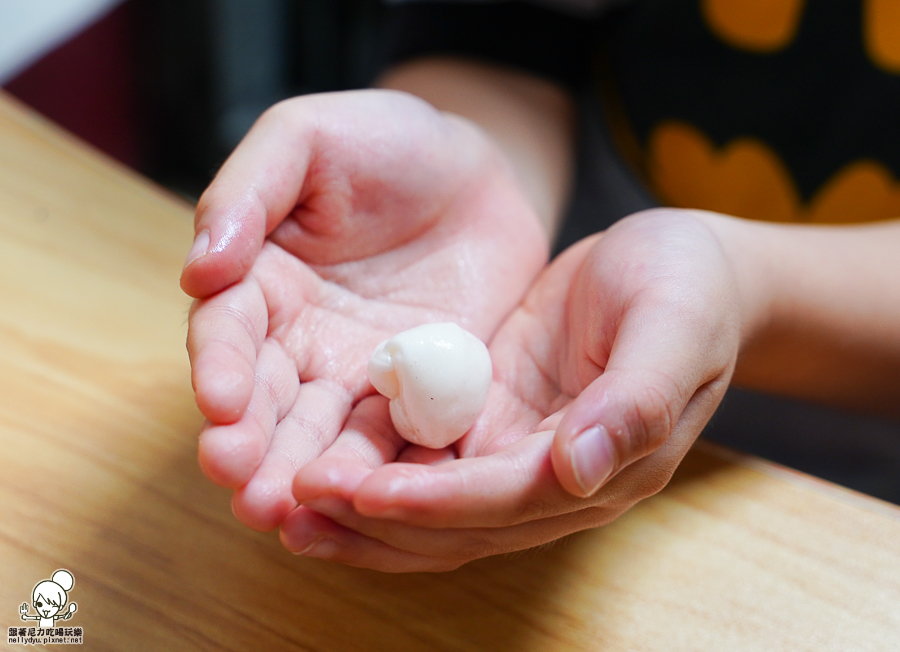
31	28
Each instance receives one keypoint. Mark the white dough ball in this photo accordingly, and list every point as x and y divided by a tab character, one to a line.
437	377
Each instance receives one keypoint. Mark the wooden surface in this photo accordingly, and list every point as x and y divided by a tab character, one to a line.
98	475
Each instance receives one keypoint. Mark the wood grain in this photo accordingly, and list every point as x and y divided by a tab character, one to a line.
98	475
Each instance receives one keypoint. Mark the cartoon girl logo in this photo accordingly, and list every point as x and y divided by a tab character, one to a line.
49	597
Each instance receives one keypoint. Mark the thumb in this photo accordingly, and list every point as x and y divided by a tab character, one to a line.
255	190
618	419
657	386
229	233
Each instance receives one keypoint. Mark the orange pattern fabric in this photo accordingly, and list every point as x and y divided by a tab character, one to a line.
747	178
881	33
694	161
759	26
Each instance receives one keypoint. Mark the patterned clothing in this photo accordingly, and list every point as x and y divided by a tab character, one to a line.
783	110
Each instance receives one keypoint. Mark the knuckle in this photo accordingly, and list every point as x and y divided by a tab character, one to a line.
651	418
653	481
278	113
535	509
228	323
478	545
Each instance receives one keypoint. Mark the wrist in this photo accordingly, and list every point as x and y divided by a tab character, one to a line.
748	247
820	320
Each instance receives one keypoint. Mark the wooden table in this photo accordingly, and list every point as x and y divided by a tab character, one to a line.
98	475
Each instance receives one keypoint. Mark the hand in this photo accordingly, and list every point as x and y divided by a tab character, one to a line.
339	221
604	376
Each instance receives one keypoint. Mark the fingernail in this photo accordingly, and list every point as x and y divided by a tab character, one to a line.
593	458
199	248
320	548
299	538
308	548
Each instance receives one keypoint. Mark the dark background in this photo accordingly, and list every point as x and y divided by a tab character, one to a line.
168	87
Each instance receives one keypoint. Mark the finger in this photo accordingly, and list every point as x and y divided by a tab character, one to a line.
224	334
255	190
321	158
309	428
367	441
414	454
512	485
657	365
230	454
389	544
305	532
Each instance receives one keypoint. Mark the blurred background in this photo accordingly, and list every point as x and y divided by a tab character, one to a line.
168	87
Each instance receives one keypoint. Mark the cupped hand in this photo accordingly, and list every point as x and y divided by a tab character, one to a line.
340	220
604	376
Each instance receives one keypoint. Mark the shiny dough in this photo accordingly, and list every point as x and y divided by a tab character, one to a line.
437	378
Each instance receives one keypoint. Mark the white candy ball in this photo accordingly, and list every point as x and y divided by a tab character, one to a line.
437	377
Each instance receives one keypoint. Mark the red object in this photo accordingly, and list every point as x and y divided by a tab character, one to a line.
88	85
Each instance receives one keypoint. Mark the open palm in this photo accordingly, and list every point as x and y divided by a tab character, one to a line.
604	375
358	215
